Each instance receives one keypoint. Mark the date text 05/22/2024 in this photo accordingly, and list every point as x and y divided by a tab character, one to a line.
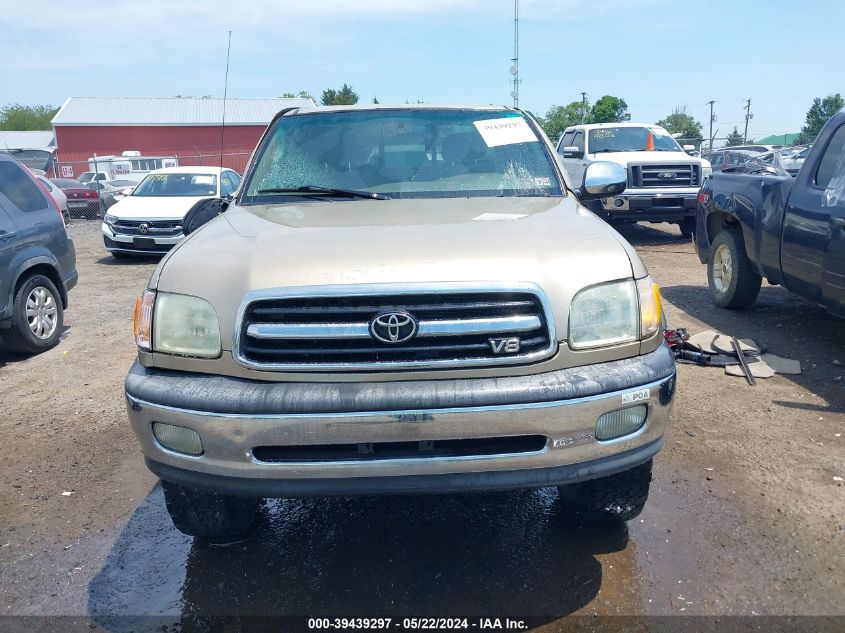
417	624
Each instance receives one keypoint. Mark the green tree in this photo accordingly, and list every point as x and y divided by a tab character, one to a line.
302	94
15	116
375	100
735	138
558	118
345	96
817	116
679	122
609	109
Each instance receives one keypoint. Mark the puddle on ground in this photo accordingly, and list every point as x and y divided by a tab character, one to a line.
508	553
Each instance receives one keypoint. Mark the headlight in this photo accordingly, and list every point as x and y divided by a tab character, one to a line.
185	325
614	313
110	219
602	315
705	172
176	324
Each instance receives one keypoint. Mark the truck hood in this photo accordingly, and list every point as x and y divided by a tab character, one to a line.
154	207
551	242
668	158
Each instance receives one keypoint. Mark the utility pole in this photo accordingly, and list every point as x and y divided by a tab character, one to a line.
515	59
748	115
712	118
583	106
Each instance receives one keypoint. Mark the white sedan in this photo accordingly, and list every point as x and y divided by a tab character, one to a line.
149	220
54	190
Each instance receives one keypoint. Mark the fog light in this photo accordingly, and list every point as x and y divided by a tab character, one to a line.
623	422
178	438
618	203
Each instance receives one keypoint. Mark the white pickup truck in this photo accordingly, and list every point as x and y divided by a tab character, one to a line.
663	180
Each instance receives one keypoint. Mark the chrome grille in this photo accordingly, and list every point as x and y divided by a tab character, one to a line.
333	331
650	175
160	228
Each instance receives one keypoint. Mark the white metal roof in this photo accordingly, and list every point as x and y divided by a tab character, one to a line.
170	111
27	140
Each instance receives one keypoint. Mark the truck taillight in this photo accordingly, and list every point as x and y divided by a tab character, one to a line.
703	197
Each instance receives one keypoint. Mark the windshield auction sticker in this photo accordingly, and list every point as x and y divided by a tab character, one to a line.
505	131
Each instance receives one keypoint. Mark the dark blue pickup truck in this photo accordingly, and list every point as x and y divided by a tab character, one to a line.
789	230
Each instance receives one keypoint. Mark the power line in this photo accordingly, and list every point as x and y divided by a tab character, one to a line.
748	116
225	94
712	118
515	59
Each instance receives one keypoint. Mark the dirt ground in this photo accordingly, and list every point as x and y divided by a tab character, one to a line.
745	517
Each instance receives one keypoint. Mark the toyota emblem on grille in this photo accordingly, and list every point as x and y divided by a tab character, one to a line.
144	228
393	327
667	175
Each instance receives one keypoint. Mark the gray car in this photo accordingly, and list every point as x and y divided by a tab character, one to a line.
37	262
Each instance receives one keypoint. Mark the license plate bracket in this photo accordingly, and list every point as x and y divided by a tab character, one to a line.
144	243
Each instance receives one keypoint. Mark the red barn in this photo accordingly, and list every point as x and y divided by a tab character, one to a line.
188	128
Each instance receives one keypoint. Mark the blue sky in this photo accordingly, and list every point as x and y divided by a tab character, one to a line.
654	54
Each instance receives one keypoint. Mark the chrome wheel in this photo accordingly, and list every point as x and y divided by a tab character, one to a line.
42	314
722	268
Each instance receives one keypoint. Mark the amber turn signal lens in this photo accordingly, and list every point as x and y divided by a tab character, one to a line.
143	321
651	307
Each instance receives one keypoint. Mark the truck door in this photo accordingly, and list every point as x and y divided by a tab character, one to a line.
831	178
576	165
566	160
806	229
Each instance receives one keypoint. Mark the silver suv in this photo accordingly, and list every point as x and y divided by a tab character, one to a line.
401	300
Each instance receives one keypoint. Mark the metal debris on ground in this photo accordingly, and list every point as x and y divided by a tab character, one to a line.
782	365
714	349
758	370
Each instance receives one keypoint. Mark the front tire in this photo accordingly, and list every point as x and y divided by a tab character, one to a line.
687	226
733	281
609	500
208	515
37	317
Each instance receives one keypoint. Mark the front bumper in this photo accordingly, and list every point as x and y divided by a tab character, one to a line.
234	416
149	244
655	205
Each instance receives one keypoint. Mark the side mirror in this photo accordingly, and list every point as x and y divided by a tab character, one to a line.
689	148
126	192
202	212
602	180
570	151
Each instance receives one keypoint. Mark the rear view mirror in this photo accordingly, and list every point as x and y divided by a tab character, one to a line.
202	212
570	151
603	179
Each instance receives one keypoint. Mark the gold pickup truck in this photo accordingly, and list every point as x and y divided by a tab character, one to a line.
401	300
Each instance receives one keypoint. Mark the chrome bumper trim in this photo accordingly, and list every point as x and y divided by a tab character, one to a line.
444	327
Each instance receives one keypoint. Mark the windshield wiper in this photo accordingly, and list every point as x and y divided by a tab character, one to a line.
326	191
608	149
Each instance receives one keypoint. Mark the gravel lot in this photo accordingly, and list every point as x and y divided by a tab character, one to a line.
746	516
